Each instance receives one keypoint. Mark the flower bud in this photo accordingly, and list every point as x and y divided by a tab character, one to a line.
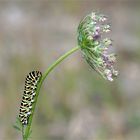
94	44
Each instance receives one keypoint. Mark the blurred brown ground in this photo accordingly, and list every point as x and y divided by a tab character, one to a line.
75	102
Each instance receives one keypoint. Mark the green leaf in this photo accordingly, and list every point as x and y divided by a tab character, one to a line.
16	127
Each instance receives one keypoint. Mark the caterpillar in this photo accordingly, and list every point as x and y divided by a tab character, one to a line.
29	94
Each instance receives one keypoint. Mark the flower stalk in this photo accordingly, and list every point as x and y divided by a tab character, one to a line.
27	129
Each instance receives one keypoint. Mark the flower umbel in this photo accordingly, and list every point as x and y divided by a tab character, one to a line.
95	47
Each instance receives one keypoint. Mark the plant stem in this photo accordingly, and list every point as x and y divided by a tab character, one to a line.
59	60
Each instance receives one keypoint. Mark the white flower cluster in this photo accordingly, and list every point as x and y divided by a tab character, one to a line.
95	47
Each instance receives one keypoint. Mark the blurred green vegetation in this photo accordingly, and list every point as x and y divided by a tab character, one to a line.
75	103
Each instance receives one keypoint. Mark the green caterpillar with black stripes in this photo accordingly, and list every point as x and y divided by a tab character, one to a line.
29	94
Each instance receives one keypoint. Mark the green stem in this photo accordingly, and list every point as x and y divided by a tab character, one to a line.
28	127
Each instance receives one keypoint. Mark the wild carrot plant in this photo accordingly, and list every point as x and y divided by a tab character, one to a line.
94	45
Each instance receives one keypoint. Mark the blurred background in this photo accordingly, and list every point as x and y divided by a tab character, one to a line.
75	103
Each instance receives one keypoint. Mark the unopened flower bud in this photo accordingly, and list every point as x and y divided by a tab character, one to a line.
95	47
